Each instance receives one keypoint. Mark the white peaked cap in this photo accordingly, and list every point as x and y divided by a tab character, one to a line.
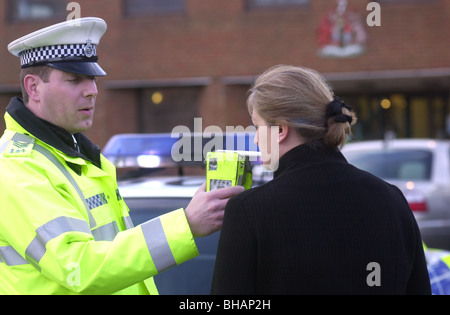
69	46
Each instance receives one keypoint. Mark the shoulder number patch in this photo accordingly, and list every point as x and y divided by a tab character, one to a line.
19	148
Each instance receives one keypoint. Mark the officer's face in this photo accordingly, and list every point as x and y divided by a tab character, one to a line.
66	100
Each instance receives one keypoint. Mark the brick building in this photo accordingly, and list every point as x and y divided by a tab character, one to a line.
172	60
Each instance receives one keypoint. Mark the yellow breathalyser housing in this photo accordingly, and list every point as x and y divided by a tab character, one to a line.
226	169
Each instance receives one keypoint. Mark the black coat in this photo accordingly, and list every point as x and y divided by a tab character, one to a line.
317	228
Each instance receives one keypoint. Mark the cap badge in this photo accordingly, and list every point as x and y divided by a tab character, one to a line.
89	49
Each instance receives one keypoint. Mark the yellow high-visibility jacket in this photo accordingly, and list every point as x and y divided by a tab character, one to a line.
68	233
438	264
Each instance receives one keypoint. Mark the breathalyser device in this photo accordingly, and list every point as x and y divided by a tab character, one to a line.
228	168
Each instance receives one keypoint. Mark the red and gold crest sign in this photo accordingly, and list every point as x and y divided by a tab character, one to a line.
341	33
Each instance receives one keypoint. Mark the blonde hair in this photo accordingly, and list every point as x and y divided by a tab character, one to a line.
299	97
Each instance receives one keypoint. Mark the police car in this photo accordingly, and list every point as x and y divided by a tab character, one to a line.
158	173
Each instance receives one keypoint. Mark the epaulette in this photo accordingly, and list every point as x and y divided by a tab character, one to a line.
19	148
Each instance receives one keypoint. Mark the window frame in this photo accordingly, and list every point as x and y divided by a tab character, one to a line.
59	8
393	2
140	8
252	5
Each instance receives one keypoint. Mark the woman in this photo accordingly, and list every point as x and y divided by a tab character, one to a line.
321	226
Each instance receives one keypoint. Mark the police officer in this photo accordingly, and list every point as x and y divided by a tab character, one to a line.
438	265
64	228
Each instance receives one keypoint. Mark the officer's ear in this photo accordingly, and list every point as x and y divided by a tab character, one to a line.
31	84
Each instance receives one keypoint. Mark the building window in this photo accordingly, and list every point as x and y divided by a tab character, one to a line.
258	4
162	109
405	1
143	7
25	10
401	115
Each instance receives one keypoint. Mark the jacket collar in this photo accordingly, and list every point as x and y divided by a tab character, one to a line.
305	155
51	134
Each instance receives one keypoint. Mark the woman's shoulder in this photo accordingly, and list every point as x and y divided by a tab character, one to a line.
260	192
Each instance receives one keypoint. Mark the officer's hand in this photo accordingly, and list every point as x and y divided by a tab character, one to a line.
206	210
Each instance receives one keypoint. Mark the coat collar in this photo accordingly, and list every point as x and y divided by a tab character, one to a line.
305	155
51	134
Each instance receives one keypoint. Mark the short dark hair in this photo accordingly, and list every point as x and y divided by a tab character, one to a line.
42	72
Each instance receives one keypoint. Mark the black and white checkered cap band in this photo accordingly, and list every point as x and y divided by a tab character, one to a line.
57	52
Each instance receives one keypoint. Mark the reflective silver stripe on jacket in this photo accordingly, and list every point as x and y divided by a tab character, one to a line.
69	177
158	245
9	256
36	249
127	222
104	233
50	230
4	146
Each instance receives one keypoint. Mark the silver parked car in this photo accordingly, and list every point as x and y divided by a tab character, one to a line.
421	169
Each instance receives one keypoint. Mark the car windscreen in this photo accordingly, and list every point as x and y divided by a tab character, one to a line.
394	164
